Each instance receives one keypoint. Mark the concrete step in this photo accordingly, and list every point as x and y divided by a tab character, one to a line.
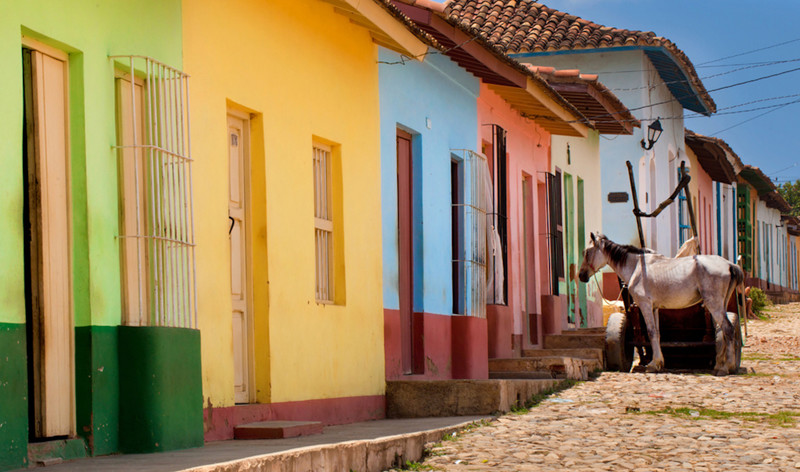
561	367
425	398
575	341
55	451
596	329
276	429
585	353
521	375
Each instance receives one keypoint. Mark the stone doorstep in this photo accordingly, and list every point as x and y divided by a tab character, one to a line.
56	451
276	429
581	353
575	341
574	368
520	375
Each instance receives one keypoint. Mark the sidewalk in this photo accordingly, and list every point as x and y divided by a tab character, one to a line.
368	446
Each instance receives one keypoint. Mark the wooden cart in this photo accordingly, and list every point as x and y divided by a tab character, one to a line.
687	335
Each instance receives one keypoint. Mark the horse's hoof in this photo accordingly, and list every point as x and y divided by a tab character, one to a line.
720	372
652	369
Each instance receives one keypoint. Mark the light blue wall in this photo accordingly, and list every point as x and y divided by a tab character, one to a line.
414	96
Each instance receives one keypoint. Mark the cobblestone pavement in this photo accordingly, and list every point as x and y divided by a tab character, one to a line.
655	422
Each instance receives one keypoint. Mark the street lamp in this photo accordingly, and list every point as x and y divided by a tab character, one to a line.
653	133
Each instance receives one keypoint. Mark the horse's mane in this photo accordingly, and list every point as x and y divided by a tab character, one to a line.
617	253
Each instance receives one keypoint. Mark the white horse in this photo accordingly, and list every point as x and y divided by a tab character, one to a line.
656	281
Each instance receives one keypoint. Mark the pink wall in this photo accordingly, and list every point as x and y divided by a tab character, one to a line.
705	218
528	147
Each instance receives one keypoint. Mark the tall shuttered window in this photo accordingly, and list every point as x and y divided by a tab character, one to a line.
497	256
155	182
323	223
470	193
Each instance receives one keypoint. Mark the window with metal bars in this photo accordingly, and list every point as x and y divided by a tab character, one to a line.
470	187
155	186
745	227
555	236
323	223
497	257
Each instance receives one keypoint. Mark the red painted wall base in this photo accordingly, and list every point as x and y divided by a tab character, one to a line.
500	328
220	422
447	347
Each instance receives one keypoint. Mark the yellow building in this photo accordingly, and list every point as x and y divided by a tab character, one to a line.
285	141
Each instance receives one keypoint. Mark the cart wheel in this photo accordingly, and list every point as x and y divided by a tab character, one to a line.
737	337
619	356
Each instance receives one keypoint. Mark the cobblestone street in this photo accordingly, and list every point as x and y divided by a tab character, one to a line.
655	422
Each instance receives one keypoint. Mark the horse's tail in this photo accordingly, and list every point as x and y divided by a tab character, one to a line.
737	281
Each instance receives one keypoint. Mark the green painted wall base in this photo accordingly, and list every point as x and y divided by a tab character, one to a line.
97	387
13	397
161	398
66	449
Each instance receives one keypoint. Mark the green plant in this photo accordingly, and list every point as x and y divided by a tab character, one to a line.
760	302
782	418
409	465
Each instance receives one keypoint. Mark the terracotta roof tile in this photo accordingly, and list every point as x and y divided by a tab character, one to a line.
598	104
520	26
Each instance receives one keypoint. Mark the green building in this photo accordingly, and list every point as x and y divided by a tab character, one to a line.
97	320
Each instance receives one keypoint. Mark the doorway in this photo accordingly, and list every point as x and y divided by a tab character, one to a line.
238	229
46	222
405	229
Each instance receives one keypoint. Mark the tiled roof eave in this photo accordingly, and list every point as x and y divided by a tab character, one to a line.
686	92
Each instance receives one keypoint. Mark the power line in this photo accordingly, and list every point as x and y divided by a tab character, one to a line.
753	118
752	51
764	64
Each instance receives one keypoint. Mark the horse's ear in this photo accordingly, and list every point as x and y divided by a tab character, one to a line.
594	240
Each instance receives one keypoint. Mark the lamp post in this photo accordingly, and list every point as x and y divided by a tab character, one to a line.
653	133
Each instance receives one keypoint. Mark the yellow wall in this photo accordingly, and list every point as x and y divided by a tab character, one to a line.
301	70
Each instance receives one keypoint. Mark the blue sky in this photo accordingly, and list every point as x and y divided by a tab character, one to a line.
707	30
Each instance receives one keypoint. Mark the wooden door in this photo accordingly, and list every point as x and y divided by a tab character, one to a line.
47	231
529	246
405	248
240	288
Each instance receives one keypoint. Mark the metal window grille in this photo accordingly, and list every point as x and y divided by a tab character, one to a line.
745	227
554	235
162	223
498	216
470	265
323	223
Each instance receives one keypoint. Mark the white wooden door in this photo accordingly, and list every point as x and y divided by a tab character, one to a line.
51	282
237	212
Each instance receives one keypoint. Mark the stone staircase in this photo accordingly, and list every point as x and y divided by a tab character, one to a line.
573	354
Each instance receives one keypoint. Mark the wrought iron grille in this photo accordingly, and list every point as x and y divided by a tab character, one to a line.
469	265
157	234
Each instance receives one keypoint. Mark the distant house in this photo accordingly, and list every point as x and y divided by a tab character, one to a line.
712	165
648	73
761	207
793	251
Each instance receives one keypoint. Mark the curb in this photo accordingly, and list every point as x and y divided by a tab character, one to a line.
360	456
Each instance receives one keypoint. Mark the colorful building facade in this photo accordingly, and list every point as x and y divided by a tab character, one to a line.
432	212
286	132
79	362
